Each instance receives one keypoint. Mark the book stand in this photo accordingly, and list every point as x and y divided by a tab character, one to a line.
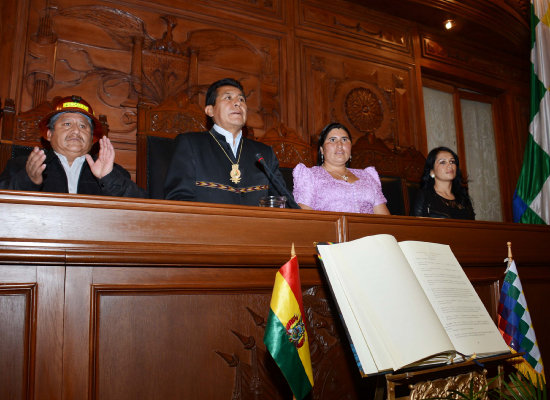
436	382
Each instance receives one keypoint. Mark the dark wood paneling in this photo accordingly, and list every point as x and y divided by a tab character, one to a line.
76	332
363	92
475	244
144	296
302	63
141	333
50	281
369	30
16	338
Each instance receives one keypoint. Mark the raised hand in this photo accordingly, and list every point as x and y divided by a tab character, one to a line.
105	160
35	165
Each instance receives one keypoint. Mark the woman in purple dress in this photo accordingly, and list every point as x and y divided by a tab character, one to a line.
331	185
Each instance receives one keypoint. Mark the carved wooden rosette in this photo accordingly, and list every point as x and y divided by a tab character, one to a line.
368	107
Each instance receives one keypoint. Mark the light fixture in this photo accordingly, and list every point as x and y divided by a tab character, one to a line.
449	24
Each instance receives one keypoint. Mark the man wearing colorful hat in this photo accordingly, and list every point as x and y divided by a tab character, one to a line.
71	128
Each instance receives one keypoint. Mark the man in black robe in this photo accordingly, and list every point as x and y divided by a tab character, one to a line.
67	167
220	165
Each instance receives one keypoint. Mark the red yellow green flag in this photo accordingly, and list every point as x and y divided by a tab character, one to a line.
286	336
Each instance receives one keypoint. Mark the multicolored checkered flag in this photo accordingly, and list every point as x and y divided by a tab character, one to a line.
514	323
531	203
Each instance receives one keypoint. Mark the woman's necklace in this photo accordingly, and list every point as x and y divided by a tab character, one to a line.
235	173
344	177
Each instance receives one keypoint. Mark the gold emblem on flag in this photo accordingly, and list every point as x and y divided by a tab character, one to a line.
296	331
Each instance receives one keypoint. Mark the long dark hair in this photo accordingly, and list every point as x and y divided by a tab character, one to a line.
322	137
458	186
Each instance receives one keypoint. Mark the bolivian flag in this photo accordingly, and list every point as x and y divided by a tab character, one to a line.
285	334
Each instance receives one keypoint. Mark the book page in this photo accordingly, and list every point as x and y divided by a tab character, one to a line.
365	358
397	323
454	299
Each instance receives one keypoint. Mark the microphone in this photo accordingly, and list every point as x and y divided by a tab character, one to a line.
279	186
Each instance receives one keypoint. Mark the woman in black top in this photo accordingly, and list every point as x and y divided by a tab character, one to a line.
443	193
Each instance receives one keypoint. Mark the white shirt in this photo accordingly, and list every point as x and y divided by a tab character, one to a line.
73	171
229	138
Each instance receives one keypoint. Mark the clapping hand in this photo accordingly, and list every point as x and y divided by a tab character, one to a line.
103	165
35	165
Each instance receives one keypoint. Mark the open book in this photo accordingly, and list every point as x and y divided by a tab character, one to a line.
407	304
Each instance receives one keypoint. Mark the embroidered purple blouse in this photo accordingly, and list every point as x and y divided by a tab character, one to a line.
316	188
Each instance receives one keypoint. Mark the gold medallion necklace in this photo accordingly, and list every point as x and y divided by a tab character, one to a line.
235	172
345	177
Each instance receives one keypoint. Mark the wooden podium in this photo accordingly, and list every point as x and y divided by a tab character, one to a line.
111	298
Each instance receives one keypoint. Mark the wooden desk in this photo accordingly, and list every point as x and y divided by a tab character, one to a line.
110	298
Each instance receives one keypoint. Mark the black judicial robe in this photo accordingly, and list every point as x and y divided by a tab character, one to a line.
199	170
116	183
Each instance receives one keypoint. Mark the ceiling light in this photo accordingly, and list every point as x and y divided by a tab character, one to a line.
449	24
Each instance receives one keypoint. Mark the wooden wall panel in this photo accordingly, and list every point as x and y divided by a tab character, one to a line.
13	31
144	292
171	330
76	332
96	50
363	27
477	249
471	59
17	308
366	28
364	93
298	61
114	54
50	281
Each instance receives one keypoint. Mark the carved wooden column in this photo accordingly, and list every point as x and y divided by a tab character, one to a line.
135	73
41	65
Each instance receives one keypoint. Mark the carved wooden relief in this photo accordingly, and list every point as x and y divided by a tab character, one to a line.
441	388
289	147
258	376
41	62
302	63
367	96
115	57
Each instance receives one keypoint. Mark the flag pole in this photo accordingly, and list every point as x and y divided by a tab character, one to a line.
293	254
510	258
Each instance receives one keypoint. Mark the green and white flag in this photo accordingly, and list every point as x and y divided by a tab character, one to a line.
531	202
